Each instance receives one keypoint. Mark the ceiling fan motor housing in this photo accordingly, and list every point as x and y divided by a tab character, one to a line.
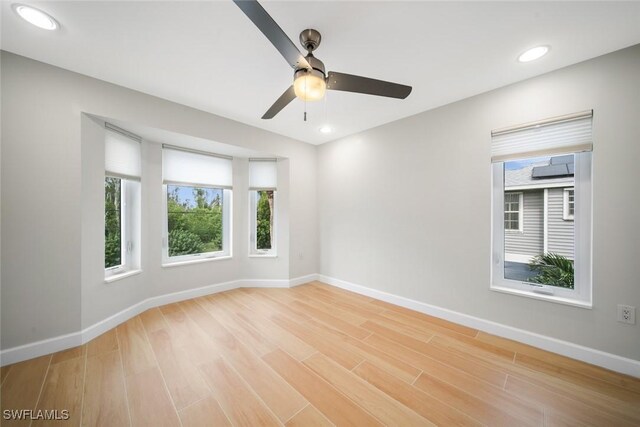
310	39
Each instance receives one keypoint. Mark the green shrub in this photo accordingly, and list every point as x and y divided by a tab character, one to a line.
264	217
182	242
112	226
112	250
206	223
553	270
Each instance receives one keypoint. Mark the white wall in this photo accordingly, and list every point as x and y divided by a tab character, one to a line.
50	284
405	208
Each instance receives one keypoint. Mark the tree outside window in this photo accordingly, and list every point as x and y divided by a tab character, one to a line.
112	222
194	220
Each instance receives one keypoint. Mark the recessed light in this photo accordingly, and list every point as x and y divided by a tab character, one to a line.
326	129
533	54
35	17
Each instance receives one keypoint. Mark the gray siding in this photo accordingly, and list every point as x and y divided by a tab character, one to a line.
560	232
531	240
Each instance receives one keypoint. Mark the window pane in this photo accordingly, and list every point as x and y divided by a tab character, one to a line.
525	258
112	222
264	220
571	202
512	211
194	220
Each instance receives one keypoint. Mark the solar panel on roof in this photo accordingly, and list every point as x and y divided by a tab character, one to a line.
549	171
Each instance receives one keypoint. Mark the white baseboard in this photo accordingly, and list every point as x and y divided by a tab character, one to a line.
586	354
111	322
40	348
565	348
302	280
63	342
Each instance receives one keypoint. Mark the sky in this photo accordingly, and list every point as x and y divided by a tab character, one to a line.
186	194
519	164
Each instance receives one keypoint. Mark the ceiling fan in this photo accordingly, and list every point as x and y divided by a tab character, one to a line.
309	78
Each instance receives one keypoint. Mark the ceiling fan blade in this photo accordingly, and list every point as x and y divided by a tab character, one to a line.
261	19
284	100
358	84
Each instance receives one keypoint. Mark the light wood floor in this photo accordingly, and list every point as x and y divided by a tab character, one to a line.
312	355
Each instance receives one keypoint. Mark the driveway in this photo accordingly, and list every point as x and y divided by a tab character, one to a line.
518	271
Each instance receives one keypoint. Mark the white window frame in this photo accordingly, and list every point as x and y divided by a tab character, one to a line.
227	221
581	295
253	224
565	204
520	212
129	228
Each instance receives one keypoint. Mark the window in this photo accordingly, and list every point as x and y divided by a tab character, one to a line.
262	206
197	189
113	243
513	206
121	202
262	234
568	204
542	188
194	216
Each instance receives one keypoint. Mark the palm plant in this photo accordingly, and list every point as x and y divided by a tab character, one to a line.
553	270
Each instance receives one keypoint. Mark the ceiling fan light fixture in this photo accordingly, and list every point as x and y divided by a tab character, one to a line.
309	85
35	17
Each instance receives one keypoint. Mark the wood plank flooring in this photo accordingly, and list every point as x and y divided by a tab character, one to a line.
313	355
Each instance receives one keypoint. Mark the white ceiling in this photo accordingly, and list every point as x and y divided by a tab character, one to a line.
208	55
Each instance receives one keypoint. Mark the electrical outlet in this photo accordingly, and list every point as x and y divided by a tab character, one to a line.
626	314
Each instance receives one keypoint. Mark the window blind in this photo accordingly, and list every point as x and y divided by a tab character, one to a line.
122	156
263	174
560	135
196	168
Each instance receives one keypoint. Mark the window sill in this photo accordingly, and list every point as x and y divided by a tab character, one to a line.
120	276
550	298
195	261
263	256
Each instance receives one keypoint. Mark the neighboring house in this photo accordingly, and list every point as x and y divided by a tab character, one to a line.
539	209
